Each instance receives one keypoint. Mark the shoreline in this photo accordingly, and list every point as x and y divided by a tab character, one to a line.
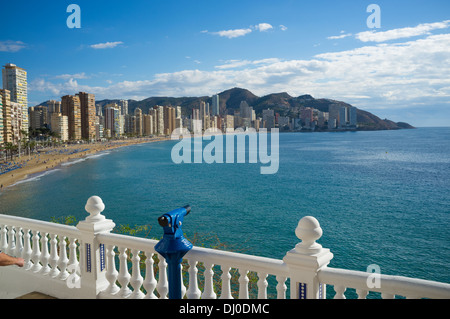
51	158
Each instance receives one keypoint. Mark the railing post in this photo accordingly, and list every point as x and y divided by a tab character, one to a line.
305	261
92	253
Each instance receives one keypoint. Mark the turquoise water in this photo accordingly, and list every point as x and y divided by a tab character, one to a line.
381	197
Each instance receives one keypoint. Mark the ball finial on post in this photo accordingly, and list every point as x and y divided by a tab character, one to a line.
94	206
308	231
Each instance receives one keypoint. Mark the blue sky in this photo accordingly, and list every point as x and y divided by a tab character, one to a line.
138	49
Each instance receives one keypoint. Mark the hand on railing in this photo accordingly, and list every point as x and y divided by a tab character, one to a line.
6	260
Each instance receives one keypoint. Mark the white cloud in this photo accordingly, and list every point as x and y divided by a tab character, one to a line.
72	76
263	27
342	36
230	34
11	46
235	33
283	27
421	29
106	45
232	64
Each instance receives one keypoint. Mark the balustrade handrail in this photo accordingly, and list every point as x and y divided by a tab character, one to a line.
130	242
218	257
388	284
42	226
239	260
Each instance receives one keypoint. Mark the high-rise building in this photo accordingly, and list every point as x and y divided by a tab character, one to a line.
152	112
341	116
6	106
229	122
159	120
245	110
112	120
70	107
148	124
87	108
307	115
269	118
38	117
215	105
169	119
54	106
1	118
123	105
16	122
15	80
178	112
12	118
60	125
204	109
139	124
196	122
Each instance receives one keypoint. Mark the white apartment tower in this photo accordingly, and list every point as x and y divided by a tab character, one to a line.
15	80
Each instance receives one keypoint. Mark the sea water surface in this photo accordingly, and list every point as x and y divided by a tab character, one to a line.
381	197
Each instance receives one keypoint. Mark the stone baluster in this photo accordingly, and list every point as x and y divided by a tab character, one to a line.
149	281
362	294
27	251
340	290
73	266
3	238
163	283
11	240
226	285
45	256
281	287
193	292
18	240
262	285
136	278
183	287
36	255
243	284
63	260
208	292
111	272
54	258
124	275
306	260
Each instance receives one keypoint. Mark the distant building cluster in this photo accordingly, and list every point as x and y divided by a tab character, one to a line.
77	117
338	117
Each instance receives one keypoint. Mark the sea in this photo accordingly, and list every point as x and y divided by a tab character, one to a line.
381	197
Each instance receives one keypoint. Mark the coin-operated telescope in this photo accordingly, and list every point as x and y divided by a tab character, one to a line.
173	246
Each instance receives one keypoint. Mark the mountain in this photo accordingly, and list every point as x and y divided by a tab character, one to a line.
282	103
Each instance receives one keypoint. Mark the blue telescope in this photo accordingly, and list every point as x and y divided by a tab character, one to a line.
173	246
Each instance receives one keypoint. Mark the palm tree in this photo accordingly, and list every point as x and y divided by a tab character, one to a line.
9	147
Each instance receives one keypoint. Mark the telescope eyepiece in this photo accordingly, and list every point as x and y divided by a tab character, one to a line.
163	221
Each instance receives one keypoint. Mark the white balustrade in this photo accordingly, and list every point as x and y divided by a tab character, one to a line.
149	281
107	265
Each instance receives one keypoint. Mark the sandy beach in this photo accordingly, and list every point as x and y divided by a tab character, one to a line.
49	158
